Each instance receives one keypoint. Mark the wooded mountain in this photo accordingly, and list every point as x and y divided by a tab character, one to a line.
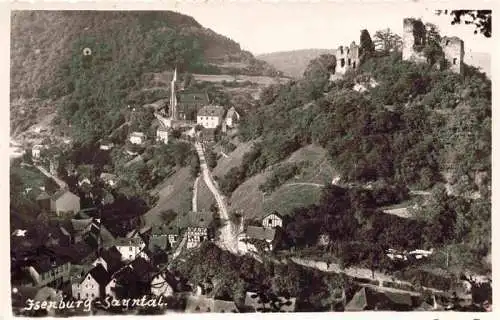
44	41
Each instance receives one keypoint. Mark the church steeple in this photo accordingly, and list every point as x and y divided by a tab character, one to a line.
173	97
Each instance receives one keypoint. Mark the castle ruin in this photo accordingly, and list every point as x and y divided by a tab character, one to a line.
453	49
414	41
347	58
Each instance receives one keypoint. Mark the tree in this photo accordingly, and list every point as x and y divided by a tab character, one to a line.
387	41
481	19
366	46
432	50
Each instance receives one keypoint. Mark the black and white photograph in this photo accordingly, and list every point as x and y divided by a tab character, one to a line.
250	157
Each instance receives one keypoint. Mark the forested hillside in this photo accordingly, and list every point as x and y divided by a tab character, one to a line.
48	60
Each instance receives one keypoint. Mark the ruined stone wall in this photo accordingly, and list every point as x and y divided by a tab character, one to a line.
453	49
412	42
347	58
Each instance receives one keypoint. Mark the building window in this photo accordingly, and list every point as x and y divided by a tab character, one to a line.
454	61
341	50
354	65
447	42
342	62
270	221
349	62
348	50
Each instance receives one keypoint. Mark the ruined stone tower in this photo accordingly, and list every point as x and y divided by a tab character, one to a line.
347	58
414	36
453	49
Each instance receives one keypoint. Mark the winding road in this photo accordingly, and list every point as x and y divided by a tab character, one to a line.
228	239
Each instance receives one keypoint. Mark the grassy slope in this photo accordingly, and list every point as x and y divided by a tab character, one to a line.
248	199
205	197
175	193
235	159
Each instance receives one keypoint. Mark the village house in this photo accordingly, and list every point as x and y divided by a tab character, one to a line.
106	145
210	116
255	237
36	151
109	179
370	299
130	248
137	137
232	117
92	285
162	133
163	237
48	270
197	228
64	201
272	220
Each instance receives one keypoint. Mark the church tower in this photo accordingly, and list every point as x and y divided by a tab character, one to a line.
173	97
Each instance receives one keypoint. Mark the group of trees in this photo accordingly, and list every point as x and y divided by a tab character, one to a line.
360	233
229	277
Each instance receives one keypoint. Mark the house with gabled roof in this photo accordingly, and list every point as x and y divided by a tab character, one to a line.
64	201
130	248
370	299
197	228
256	237
162	132
92	285
49	269
137	137
232	117
210	116
272	220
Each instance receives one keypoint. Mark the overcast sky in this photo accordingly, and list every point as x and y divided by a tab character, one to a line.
262	27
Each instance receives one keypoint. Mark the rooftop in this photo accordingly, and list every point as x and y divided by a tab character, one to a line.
211	111
260	233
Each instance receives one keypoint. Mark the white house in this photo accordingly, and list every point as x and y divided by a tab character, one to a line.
162	133
137	137
35	151
106	146
272	220
92	286
131	248
232	117
210	116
